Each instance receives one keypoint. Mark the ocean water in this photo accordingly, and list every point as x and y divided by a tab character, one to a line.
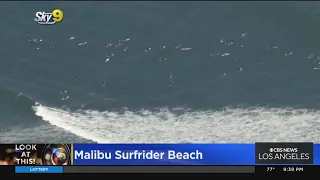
251	74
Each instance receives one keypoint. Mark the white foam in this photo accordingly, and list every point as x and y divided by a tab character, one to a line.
165	126
37	134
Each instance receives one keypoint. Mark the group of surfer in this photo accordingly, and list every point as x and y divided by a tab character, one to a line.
122	43
64	95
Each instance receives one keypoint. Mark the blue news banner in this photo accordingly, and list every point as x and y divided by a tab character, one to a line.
166	154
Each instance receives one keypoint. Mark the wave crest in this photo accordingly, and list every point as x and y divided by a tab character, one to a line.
234	125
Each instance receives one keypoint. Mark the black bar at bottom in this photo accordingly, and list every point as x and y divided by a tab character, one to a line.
159	169
7	170
286	169
259	170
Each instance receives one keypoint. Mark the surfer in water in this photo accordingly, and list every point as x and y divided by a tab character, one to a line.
178	47
223	75
171	80
64	92
225	54
124	40
83	43
103	83
171	76
162	59
273	47
118	45
243	35
18	95
288	54
185	49
29	37
64	98
37	40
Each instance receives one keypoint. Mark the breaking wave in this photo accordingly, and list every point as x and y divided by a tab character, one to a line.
185	126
